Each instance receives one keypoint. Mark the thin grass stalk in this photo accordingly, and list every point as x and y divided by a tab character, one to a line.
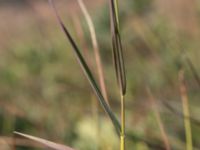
116	5
117	47
95	45
186	112
119	64
122	137
87	72
159	120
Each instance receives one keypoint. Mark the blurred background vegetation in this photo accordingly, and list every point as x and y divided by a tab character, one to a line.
44	93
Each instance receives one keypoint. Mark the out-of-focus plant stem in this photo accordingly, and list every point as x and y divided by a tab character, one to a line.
158	119
95	48
186	112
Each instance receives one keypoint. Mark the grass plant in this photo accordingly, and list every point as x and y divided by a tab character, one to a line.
118	63
99	87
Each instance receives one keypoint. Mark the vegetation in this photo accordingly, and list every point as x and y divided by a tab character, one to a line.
152	103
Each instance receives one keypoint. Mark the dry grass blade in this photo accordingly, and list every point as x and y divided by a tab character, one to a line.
13	142
95	48
117	47
87	72
158	118
48	144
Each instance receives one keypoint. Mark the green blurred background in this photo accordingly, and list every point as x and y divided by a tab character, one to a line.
43	91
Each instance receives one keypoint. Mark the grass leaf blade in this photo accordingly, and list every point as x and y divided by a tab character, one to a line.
47	143
87	72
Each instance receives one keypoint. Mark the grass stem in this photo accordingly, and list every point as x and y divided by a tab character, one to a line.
119	64
117	12
159	120
122	136
186	112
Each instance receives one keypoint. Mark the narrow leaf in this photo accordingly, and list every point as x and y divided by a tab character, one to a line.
117	47
46	143
87	72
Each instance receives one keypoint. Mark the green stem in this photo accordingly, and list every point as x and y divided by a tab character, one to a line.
117	12
122	136
187	124
186	112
